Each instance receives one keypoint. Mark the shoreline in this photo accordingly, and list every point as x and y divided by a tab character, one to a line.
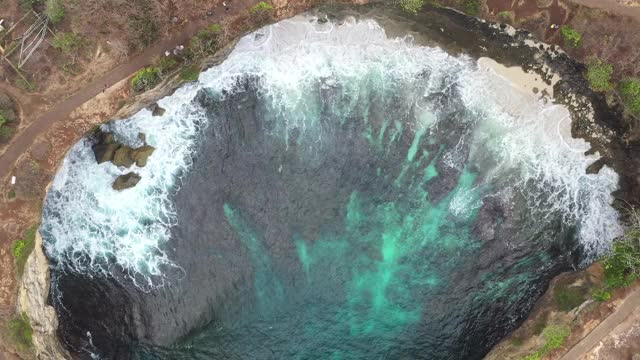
526	82
33	289
517	75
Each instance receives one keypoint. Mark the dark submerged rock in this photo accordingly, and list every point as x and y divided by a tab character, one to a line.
156	110
126	181
596	166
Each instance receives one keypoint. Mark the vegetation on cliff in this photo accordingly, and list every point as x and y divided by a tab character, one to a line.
571	36
54	11
21	248
5	130
260	8
206	40
20	332
146	79
472	7
554	336
205	43
8	117
68	42
190	73
569	297
599	75
630	90
622	266
411	6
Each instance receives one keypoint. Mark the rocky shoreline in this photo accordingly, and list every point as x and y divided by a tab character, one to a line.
33	300
34	288
593	120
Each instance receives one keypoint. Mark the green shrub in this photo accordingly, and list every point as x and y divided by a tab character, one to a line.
411	6
599	75
68	42
54	11
630	90
29	4
7	116
190	73
472	7
261	8
569	297
6	132
622	266
146	79
4	120
554	336
22	248
11	194
504	15
206	40
602	295
165	64
571	36
535	356
20	332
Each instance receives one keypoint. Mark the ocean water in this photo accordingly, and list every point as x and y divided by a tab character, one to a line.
327	192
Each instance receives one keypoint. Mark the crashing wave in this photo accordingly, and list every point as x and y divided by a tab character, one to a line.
89	227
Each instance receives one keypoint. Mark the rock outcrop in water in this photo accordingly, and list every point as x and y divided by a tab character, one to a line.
156	110
33	301
126	181
108	149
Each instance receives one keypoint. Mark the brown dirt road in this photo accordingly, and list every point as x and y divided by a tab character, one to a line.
23	140
630	304
612	6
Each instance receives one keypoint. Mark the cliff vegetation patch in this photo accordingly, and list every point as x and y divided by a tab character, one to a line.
599	75
571	36
146	79
630	90
21	248
554	336
20	332
54	11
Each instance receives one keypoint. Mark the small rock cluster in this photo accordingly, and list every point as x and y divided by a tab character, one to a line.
108	149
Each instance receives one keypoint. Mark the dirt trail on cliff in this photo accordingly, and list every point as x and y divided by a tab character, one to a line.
612	6
25	138
631	304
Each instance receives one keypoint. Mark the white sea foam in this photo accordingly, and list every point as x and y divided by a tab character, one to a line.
86	224
535	137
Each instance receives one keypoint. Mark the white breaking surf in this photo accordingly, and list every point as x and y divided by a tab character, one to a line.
89	227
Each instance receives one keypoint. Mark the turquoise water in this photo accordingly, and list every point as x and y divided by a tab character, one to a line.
392	264
325	193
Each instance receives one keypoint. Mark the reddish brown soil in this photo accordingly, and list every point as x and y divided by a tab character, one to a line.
556	13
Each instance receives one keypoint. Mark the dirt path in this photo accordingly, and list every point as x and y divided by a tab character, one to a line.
631	303
612	6
23	140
